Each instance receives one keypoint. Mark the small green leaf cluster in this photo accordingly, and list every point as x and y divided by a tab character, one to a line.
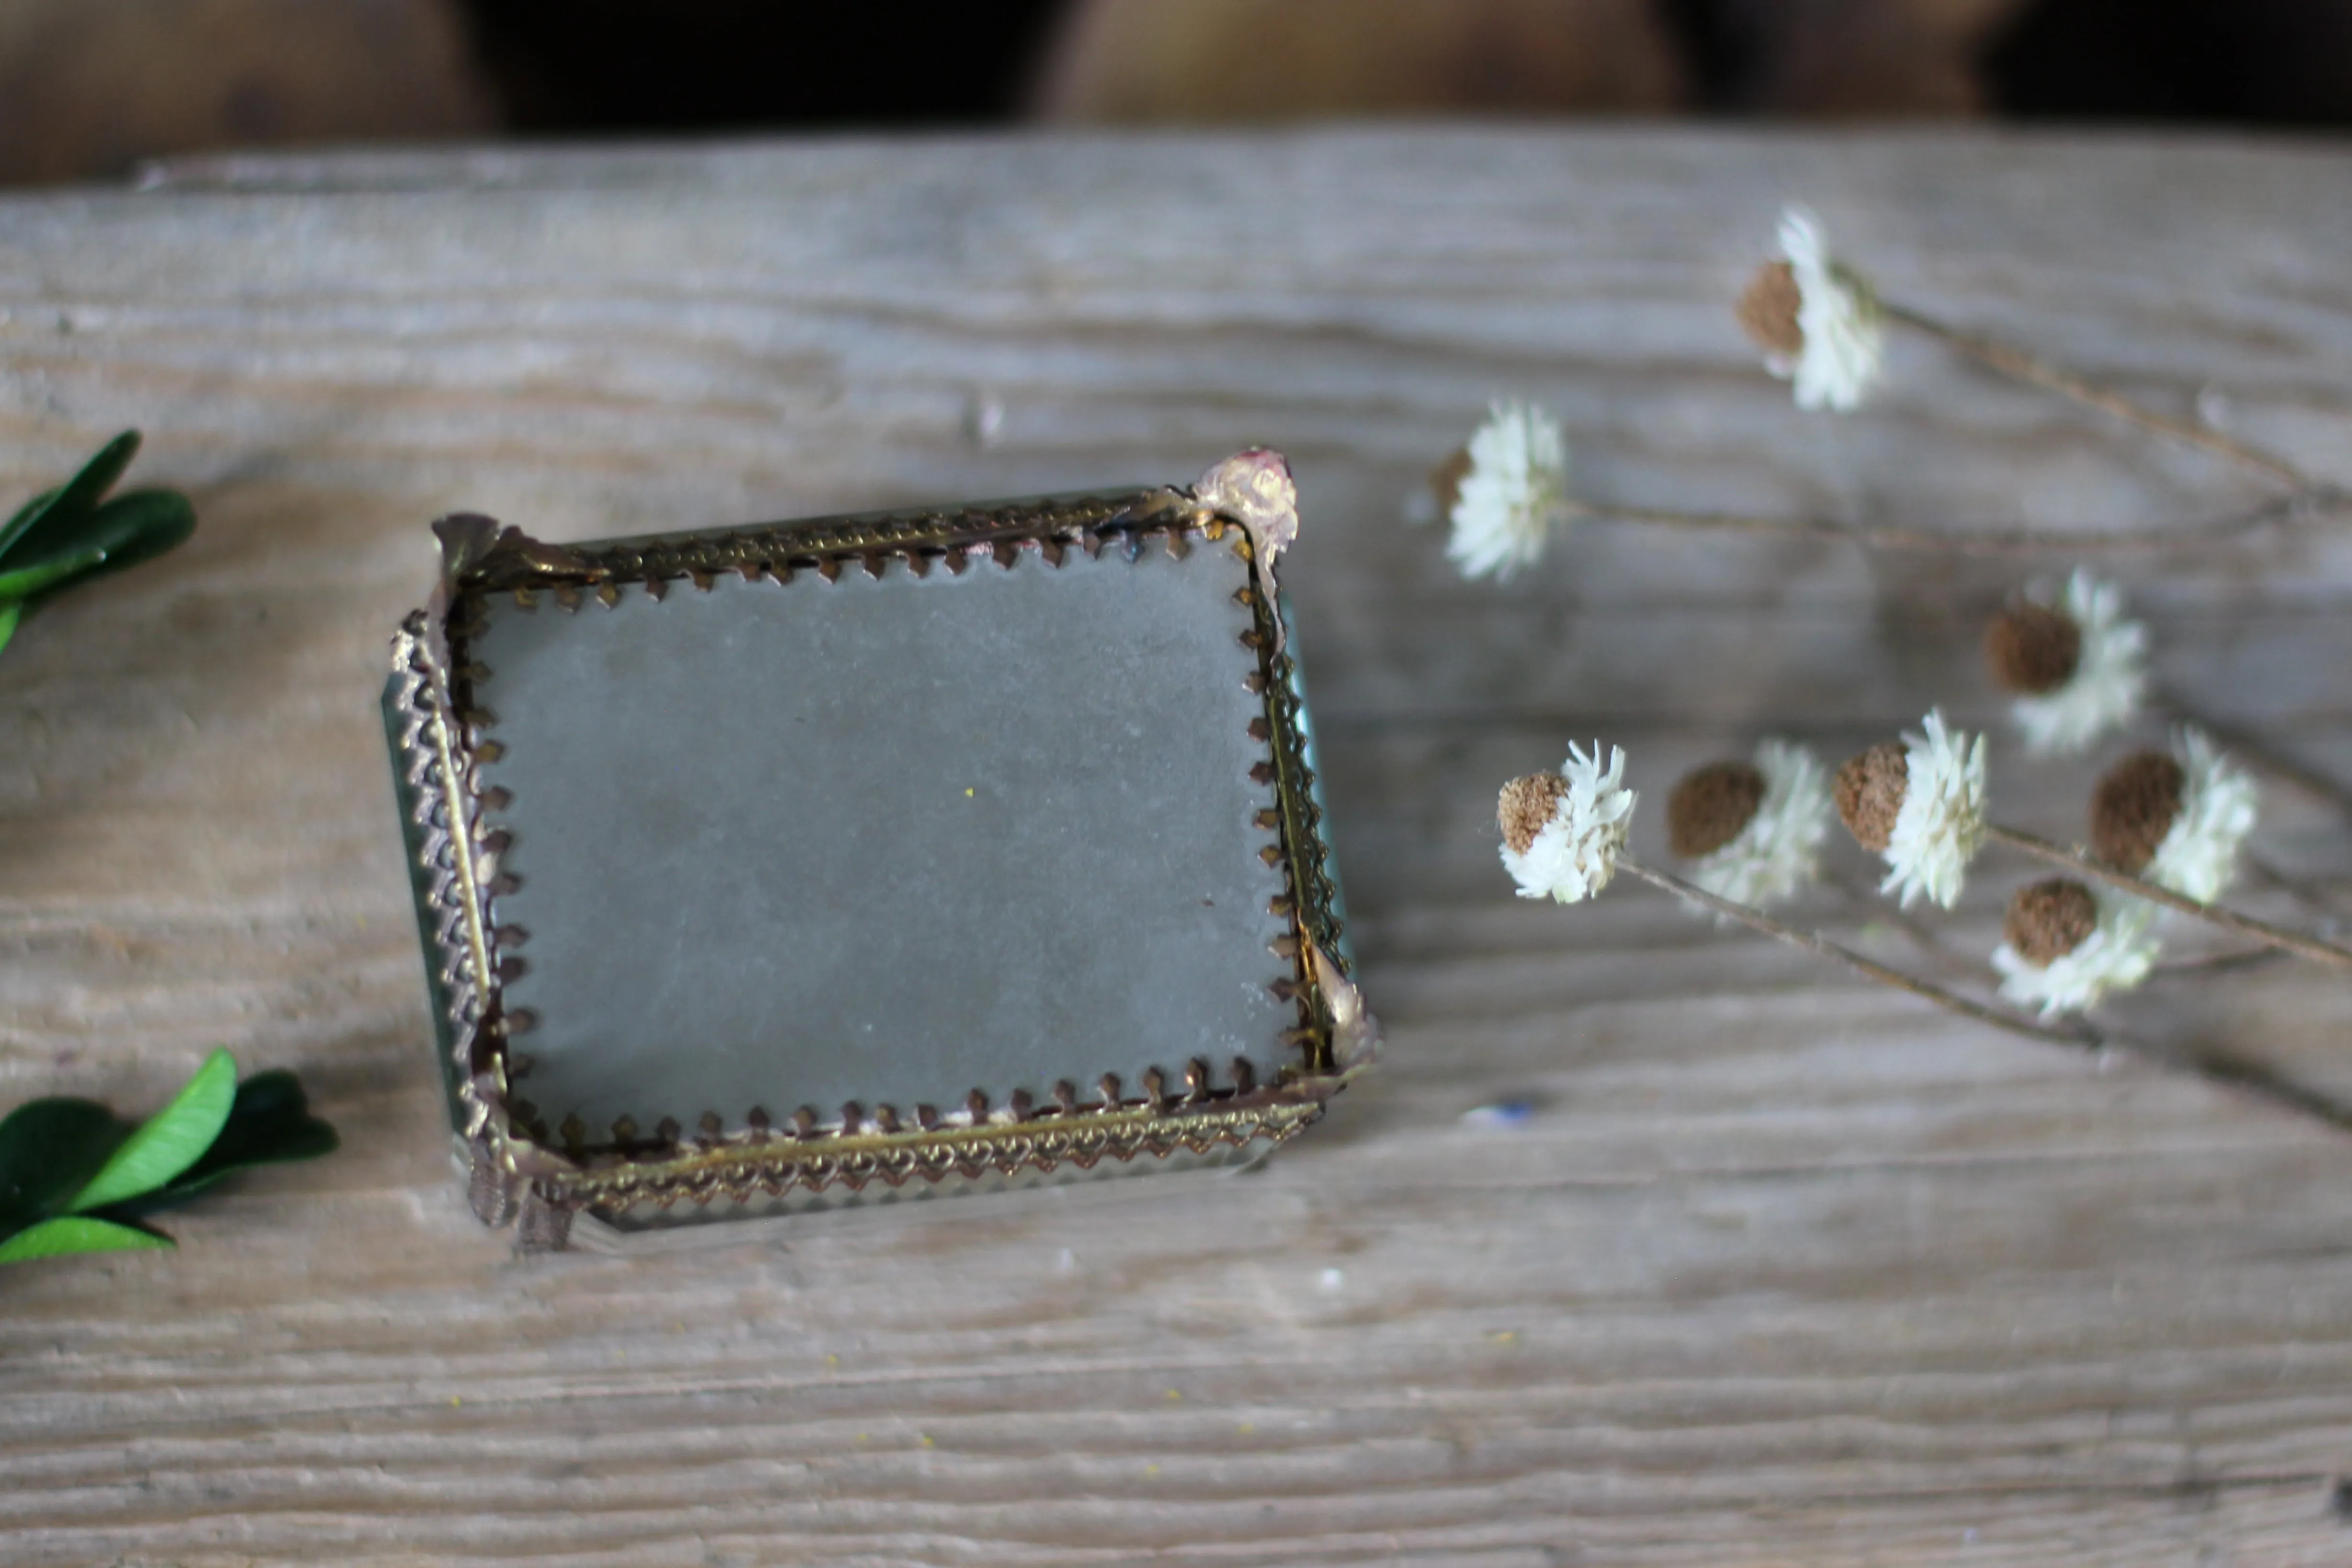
74	1177
74	532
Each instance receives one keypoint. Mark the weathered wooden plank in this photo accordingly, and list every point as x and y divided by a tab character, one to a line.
1779	1269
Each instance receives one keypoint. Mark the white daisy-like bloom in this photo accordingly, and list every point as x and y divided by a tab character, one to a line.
2117	954
1940	824
1511	495
1844	330
2198	858
1778	852
2109	681
1562	832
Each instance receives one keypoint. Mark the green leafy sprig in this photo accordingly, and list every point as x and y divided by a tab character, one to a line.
70	534
74	1177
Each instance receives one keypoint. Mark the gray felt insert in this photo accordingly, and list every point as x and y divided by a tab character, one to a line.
884	840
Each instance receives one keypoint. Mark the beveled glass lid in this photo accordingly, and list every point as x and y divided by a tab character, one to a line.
885	836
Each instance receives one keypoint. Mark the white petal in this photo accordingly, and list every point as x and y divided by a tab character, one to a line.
1511	495
1778	853
1575	854
2198	857
1941	823
2110	678
1844	329
2116	956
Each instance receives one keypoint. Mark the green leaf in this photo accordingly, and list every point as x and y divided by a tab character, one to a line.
22	518
269	1123
26	581
138	525
64	508
173	1139
56	1237
135	526
10	613
49	1149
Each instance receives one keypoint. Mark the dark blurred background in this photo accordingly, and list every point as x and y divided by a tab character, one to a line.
90	87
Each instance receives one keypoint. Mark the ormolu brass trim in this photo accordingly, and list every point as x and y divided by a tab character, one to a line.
742	1172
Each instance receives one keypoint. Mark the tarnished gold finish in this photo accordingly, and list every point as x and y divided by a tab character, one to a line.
742	1171
440	817
519	1169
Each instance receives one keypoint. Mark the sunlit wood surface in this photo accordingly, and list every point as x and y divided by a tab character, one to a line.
1781	1270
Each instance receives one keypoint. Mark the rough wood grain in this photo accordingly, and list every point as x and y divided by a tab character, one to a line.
1782	1270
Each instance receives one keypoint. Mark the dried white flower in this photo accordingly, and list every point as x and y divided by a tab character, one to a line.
1922	804
1941	825
1776	812
1562	832
1510	494
2177	818
2198	856
2078	670
1818	322
2067	945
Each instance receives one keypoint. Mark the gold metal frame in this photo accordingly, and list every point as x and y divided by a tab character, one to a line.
518	1171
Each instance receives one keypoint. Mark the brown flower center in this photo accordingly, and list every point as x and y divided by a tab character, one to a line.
2033	649
1710	806
2133	808
1768	309
1525	805
2049	920
1445	479
1869	790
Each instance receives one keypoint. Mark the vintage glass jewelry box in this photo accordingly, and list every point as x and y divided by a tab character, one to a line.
833	863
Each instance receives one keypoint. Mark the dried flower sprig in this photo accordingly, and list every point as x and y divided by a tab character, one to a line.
2252	1078
2065	946
1564	833
1921	803
2035	371
1753	830
1819	322
2179	818
1810	311
1822	947
1564	838
1506	491
1506	495
1592	813
2076	670
2301	943
1822	325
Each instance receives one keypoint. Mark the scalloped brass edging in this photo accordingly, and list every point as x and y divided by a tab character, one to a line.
852	1161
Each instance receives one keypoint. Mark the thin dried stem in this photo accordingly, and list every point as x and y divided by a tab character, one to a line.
2316	902
2237	962
2260	1082
1974	542
1821	947
2031	369
1862	898
2252	1080
2297	942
